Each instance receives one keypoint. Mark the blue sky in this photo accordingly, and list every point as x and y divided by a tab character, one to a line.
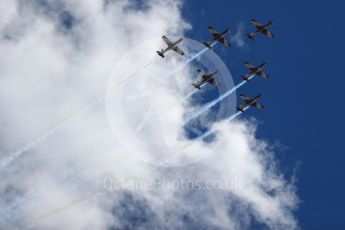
302	119
304	96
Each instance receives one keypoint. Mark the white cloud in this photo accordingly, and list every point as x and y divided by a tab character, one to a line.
239	37
49	68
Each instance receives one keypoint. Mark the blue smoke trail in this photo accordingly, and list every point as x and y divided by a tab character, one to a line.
216	101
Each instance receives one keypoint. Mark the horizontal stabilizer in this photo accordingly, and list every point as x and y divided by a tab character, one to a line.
246	77
160	54
196	85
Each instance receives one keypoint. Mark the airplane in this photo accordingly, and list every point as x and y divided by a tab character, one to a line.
255	71
261	29
171	46
217	37
250	102
206	78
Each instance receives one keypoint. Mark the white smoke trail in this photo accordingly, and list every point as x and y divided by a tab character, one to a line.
152	170
210	132
216	101
189	95
18	153
14	155
100	36
190	60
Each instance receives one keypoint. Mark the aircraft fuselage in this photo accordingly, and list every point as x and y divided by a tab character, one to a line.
254	71
172	46
206	78
218	37
258	69
264	27
248	103
221	35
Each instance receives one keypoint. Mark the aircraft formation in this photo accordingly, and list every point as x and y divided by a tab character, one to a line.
209	78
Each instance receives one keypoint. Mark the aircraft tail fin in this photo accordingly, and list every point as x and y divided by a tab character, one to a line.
160	53
207	44
240	109
196	86
245	78
251	36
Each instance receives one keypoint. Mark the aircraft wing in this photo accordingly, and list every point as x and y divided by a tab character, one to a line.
244	98
214	82
249	65
257	96
263	74
205	77
178	50
167	40
224	42
255	23
268	33
212	30
211	81
257	105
